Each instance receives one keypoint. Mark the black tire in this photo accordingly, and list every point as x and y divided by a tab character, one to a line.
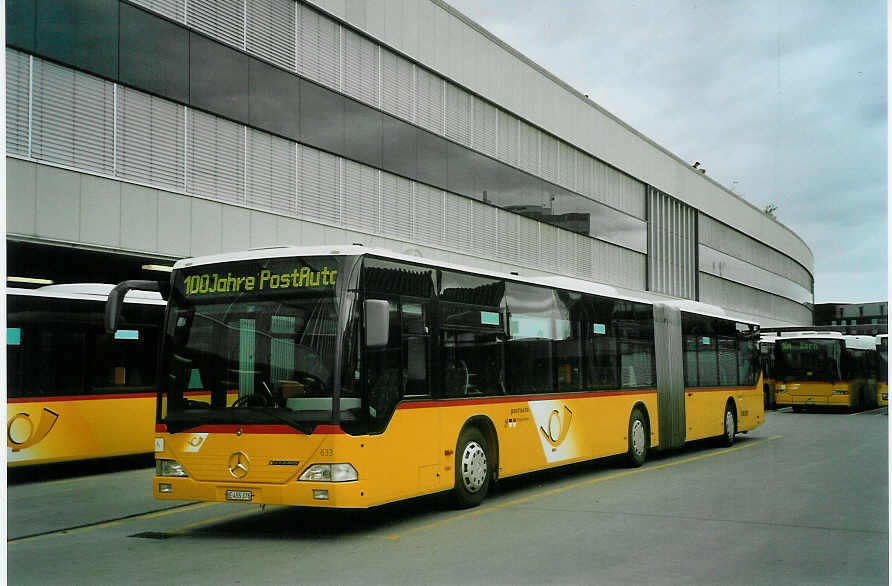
798	408
729	425
473	468
638	439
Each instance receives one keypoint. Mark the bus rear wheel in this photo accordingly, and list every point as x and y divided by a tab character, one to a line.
638	435
729	426
473	468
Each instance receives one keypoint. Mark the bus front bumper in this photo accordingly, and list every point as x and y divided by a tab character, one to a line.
299	493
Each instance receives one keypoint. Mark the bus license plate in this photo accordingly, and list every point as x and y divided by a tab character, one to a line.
238	495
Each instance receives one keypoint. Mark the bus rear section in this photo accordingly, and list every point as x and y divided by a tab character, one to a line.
74	391
825	370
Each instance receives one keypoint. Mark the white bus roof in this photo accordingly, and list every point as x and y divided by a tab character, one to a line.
558	281
87	292
856	342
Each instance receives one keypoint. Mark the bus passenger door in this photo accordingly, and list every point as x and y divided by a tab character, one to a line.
670	376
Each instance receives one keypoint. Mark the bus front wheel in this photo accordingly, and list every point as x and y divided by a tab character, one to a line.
473	468
637	439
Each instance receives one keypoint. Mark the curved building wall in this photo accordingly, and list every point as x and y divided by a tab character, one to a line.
397	123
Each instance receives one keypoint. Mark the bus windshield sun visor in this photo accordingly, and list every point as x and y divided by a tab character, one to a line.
116	299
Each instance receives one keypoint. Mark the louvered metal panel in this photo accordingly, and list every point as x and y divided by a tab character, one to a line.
548	246
727	240
151	141
508	138
271	31
548	157
566	252
223	20
459	114
318	182
566	165
583	264
506	247
672	258
397	86
527	241
215	157
429	89
485	222
271	173
360	197
485	127
396	206
173	9
428	220
459	221
18	103
72	118
528	147
583	171
361	68
318	47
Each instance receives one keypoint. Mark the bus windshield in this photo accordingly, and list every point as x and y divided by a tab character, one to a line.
252	342
883	360
808	360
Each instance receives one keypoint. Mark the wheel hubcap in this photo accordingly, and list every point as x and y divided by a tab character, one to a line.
638	437
729	424
473	467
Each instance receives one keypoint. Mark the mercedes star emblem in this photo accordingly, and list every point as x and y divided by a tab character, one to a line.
238	465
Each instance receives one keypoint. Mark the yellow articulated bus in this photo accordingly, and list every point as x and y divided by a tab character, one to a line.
74	391
882	370
826	369
353	377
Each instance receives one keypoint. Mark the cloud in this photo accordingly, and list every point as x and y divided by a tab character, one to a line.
783	100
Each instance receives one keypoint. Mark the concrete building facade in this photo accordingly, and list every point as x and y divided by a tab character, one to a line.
152	130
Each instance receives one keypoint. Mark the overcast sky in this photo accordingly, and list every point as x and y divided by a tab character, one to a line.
782	101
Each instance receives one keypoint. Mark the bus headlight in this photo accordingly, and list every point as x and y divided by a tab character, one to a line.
169	468
329	473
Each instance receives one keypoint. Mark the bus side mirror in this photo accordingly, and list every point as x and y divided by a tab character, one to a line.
377	323
115	301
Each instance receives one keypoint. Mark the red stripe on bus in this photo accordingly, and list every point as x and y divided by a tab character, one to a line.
518	399
255	429
81	397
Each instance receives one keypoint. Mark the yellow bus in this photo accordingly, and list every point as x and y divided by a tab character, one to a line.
74	391
826	369
352	377
882	370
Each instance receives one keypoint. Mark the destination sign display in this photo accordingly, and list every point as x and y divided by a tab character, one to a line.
266	276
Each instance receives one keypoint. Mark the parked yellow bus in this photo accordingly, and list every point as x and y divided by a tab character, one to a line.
882	370
825	369
75	392
364	377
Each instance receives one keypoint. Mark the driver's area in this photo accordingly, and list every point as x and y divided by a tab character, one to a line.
253	354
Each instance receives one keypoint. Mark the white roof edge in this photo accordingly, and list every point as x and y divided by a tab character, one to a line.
852	341
86	291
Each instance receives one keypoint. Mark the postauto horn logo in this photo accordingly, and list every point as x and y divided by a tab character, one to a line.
558	427
22	432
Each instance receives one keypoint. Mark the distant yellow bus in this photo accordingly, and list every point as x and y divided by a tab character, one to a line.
364	377
825	369
882	370
75	392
